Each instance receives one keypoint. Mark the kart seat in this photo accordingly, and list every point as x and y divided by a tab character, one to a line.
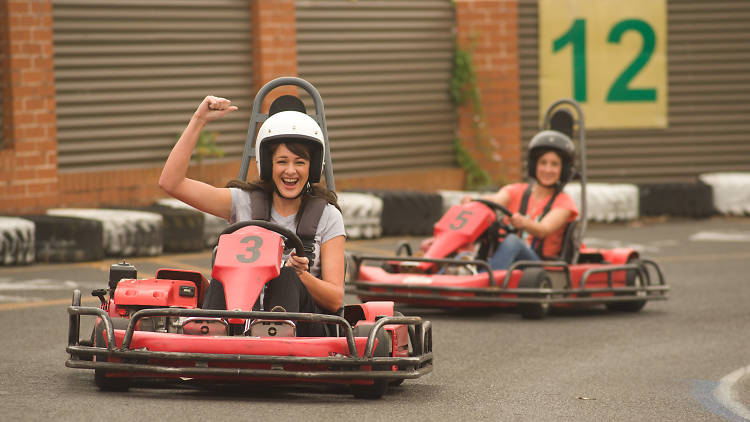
569	242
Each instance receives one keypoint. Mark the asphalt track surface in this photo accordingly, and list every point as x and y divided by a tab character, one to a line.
685	359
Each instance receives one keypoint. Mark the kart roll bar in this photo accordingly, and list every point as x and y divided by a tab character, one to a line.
563	105
257	117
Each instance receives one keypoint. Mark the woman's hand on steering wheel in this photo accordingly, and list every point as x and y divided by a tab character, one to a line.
299	263
499	209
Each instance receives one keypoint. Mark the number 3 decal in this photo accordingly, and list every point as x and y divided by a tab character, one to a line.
254	250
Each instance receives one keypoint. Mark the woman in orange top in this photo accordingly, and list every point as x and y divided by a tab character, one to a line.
548	209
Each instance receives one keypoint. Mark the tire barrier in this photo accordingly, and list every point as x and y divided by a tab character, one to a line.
362	214
731	192
408	212
126	233
183	228
67	239
607	202
72	235
212	225
454	197
677	199
17	237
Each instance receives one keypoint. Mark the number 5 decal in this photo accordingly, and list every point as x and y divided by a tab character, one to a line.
462	218
254	250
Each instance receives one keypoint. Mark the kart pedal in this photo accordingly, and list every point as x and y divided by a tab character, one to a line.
205	326
271	327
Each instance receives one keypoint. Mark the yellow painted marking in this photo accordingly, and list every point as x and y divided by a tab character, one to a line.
39	304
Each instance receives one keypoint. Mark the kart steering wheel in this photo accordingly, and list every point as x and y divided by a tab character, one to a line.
497	207
291	238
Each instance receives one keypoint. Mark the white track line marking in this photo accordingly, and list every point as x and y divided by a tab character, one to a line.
707	236
723	393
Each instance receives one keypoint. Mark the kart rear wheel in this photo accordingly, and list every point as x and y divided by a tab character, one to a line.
534	278
379	385
632	279
100	376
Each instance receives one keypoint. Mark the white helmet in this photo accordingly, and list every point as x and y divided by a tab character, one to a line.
290	126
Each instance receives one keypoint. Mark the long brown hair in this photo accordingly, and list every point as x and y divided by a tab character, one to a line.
268	187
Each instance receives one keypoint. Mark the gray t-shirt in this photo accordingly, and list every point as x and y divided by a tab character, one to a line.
331	223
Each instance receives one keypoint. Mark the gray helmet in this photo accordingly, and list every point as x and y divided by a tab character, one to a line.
552	140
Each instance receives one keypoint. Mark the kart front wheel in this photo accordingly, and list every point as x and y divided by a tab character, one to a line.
101	379
412	339
534	278
379	385
632	279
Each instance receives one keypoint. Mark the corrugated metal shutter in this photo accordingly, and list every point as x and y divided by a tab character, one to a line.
383	69
708	59
129	74
2	105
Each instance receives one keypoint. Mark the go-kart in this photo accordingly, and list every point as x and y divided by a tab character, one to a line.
451	268
155	329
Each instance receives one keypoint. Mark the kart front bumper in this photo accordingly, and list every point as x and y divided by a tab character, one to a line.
349	359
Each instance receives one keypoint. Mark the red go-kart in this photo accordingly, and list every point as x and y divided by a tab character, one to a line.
451	269
155	328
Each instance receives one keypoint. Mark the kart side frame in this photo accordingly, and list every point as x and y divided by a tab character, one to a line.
652	288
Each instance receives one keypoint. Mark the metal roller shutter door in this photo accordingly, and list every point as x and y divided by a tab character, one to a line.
2	104
129	74
708	60
383	69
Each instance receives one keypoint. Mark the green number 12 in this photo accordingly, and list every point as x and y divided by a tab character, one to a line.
619	91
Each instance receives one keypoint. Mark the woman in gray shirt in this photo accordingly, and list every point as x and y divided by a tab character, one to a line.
289	154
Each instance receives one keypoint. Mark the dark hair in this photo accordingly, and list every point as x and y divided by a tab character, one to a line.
267	186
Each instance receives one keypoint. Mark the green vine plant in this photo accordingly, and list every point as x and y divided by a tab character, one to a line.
206	147
463	87
475	176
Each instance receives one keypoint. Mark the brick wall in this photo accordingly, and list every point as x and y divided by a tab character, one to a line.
274	44
28	157
489	29
133	187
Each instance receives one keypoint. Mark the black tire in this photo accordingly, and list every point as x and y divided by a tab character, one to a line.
534	278
67	239
379	385
408	212
183	228
16	241
100	376
412	337
632	280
